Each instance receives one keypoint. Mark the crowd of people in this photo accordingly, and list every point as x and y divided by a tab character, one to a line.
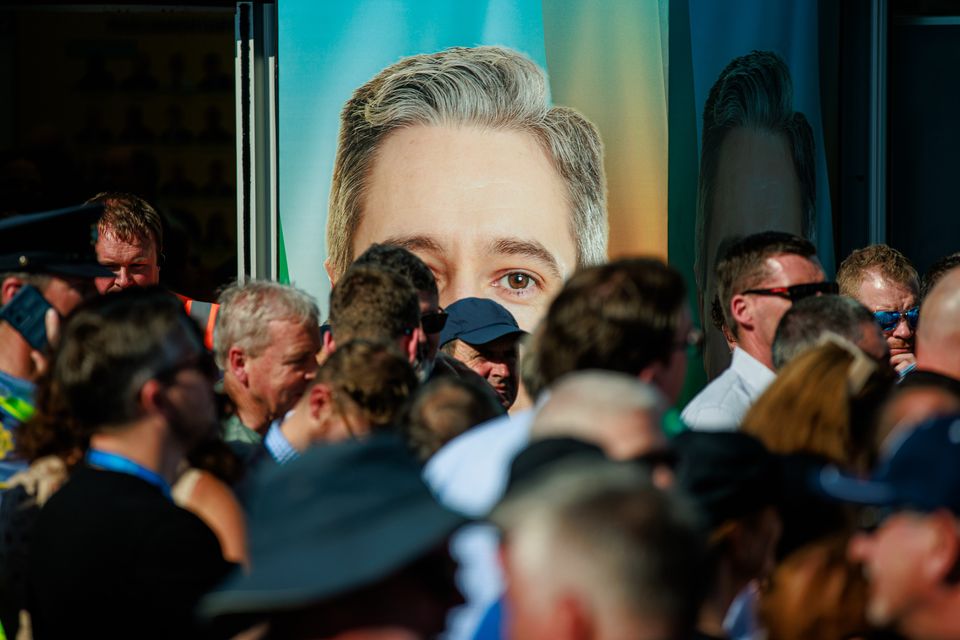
377	465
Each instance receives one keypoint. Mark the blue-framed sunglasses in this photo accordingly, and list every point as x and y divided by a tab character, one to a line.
888	320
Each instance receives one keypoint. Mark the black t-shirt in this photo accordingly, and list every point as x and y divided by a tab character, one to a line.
111	556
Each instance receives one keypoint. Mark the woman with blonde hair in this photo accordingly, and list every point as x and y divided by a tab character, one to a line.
820	410
824	403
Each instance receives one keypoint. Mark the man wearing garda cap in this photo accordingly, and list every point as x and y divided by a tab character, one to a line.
47	266
484	336
911	556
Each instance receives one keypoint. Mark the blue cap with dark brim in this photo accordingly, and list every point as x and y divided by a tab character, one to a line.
339	518
60	242
478	321
921	473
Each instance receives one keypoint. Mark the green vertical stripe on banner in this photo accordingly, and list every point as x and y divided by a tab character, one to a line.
283	274
682	174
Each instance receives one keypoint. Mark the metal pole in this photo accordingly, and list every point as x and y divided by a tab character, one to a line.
877	189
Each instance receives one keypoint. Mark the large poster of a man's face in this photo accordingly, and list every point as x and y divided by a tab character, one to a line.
458	157
757	172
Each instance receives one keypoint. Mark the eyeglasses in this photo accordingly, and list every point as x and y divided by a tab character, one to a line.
798	291
433	322
888	320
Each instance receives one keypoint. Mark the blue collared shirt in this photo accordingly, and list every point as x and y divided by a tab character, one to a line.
277	444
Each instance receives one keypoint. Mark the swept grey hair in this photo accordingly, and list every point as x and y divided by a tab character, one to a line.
246	310
807	320
480	86
601	531
588	404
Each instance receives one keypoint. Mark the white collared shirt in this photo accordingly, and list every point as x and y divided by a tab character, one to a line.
723	403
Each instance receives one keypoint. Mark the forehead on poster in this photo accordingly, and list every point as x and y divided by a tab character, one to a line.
458	156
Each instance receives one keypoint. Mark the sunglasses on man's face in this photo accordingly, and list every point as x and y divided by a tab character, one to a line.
798	291
888	320
433	322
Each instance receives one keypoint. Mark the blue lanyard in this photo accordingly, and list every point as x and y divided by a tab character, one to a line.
113	462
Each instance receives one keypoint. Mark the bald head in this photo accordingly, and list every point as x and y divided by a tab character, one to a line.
615	411
938	334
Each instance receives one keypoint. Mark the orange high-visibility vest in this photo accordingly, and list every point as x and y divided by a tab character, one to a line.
204	314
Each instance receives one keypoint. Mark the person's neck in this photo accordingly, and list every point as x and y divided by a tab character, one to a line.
15	357
296	428
937	619
726	587
752	344
144	443
251	413
934	363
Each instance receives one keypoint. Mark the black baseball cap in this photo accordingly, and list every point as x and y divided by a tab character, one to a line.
340	517
60	242
729	474
478	321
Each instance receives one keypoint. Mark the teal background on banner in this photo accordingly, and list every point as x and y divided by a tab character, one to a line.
721	31
327	50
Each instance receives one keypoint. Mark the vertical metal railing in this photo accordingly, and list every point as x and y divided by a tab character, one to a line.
256	99
877	194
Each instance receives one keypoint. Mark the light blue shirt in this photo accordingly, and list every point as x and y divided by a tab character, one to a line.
470	475
723	403
277	444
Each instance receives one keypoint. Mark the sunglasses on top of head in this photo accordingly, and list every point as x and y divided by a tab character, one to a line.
798	291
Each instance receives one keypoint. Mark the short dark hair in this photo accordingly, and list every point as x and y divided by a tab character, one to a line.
620	316
373	303
937	270
890	263
444	408
373	376
743	266
406	263
130	217
804	323
111	345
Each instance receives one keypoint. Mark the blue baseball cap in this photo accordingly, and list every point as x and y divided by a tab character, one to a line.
478	321
922	472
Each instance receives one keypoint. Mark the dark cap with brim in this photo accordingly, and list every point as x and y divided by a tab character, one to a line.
921	473
478	321
729	474
61	242
339	518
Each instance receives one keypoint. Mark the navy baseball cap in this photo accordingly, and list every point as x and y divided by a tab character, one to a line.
61	242
922	472
339	518
478	321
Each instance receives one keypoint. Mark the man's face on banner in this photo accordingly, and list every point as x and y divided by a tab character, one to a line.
484	209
